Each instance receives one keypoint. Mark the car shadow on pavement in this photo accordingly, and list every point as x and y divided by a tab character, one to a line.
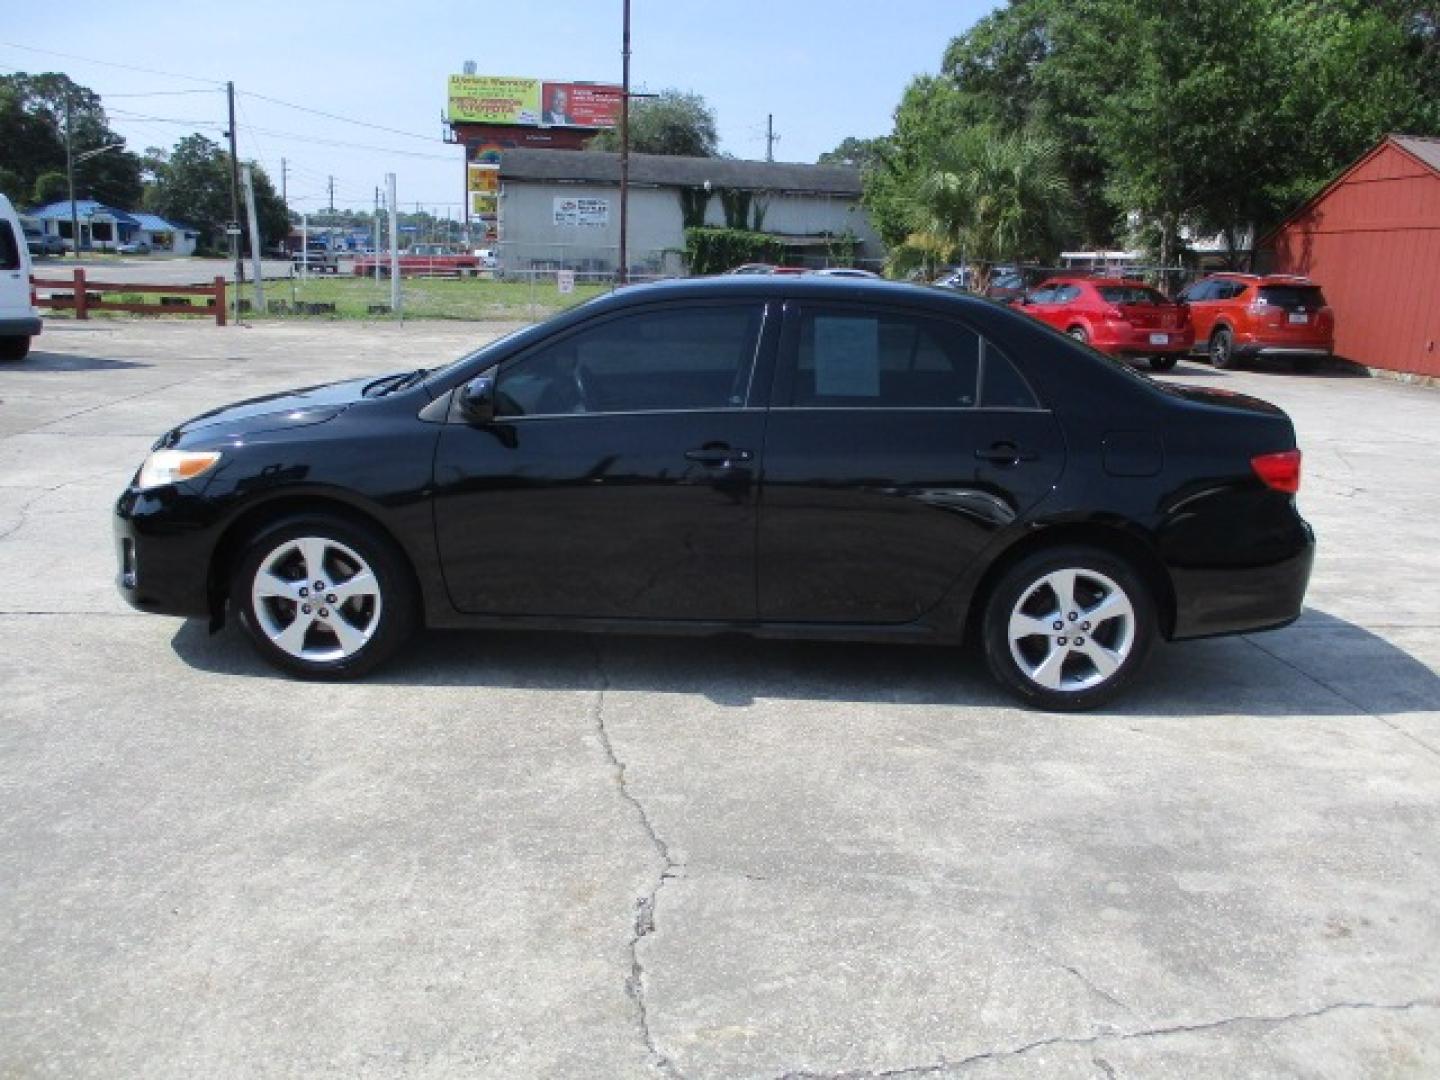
1289	672
48	361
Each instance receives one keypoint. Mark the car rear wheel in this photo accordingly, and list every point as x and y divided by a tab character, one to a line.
1079	334
14	348
324	597
1068	628
1163	362
1222	349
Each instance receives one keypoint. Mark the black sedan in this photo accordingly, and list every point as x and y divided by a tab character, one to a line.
782	456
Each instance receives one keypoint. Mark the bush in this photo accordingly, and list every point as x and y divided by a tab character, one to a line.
713	251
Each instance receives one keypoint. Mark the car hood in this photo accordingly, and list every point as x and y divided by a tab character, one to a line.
274	412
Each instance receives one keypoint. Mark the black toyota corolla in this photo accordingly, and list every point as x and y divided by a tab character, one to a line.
780	456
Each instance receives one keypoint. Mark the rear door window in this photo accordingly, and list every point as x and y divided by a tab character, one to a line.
9	247
1066	293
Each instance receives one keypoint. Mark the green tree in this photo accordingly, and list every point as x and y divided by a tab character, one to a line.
12	186
112	177
675	123
991	198
859	153
50	187
192	186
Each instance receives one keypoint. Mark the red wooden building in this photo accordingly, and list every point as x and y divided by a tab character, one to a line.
1371	240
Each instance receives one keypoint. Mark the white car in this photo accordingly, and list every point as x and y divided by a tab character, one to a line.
19	321
845	271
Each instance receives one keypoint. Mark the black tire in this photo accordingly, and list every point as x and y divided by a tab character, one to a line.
1164	362
14	348
1079	334
1222	349
1080	684
387	614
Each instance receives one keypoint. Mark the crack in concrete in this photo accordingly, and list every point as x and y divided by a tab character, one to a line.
944	1066
1094	989
1343	697
41	494
644	923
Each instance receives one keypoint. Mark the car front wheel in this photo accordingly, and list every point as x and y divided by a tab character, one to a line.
1067	628
323	597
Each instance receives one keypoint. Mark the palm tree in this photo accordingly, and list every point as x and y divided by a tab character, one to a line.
992	198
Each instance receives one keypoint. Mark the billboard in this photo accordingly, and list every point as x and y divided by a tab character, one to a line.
502	99
493	99
582	212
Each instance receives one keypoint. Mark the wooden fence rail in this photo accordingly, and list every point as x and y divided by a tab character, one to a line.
87	296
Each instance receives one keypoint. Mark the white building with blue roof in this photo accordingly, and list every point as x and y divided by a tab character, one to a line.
106	228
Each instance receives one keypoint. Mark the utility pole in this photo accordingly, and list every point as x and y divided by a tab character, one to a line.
285	187
70	173
234	194
770	136
254	239
332	196
624	275
394	247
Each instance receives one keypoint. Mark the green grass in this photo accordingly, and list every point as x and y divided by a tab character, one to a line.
422	298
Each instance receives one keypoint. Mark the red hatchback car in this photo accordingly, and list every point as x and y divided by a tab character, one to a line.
1240	315
1119	317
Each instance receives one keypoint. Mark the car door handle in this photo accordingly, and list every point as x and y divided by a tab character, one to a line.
719	456
1004	453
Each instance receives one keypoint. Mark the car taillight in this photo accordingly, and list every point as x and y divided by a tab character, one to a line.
1280	471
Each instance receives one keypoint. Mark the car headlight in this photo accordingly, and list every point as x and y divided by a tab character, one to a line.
171	466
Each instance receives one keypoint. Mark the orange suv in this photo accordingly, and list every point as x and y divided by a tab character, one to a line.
1242	315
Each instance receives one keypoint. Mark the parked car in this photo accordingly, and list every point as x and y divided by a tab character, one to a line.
957	278
782	457
134	247
317	258
1237	316
19	321
846	271
41	244
1007	283
1117	316
752	268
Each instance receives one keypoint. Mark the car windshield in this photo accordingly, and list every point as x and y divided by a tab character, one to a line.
1131	294
1293	296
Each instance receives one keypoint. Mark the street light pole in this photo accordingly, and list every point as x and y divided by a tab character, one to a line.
624	275
70	171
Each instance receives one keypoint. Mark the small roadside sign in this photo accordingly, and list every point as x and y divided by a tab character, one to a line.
232	228
565	281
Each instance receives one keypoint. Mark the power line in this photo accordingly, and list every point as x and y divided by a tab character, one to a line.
158	93
111	63
336	116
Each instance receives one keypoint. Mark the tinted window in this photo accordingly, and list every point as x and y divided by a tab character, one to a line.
1131	294
1229	290
1201	290
1065	293
1001	386
1044	295
1293	296
678	358
9	249
849	359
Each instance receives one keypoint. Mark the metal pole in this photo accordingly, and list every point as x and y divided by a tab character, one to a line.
235	197
624	274
304	247
254	239
769	136
70	172
377	236
394	246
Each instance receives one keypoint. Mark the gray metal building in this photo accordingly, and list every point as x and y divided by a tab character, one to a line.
560	209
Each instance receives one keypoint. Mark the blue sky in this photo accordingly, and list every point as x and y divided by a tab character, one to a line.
826	70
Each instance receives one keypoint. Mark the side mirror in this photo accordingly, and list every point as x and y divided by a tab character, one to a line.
477	400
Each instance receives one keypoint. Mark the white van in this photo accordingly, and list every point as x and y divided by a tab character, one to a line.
19	321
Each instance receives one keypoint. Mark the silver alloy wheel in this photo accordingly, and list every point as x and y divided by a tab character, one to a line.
316	599
1071	630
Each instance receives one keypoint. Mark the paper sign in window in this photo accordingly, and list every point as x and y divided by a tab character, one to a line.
847	357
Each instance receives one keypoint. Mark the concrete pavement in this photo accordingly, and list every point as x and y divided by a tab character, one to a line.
546	855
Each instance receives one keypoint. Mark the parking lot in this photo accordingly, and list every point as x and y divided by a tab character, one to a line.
546	855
